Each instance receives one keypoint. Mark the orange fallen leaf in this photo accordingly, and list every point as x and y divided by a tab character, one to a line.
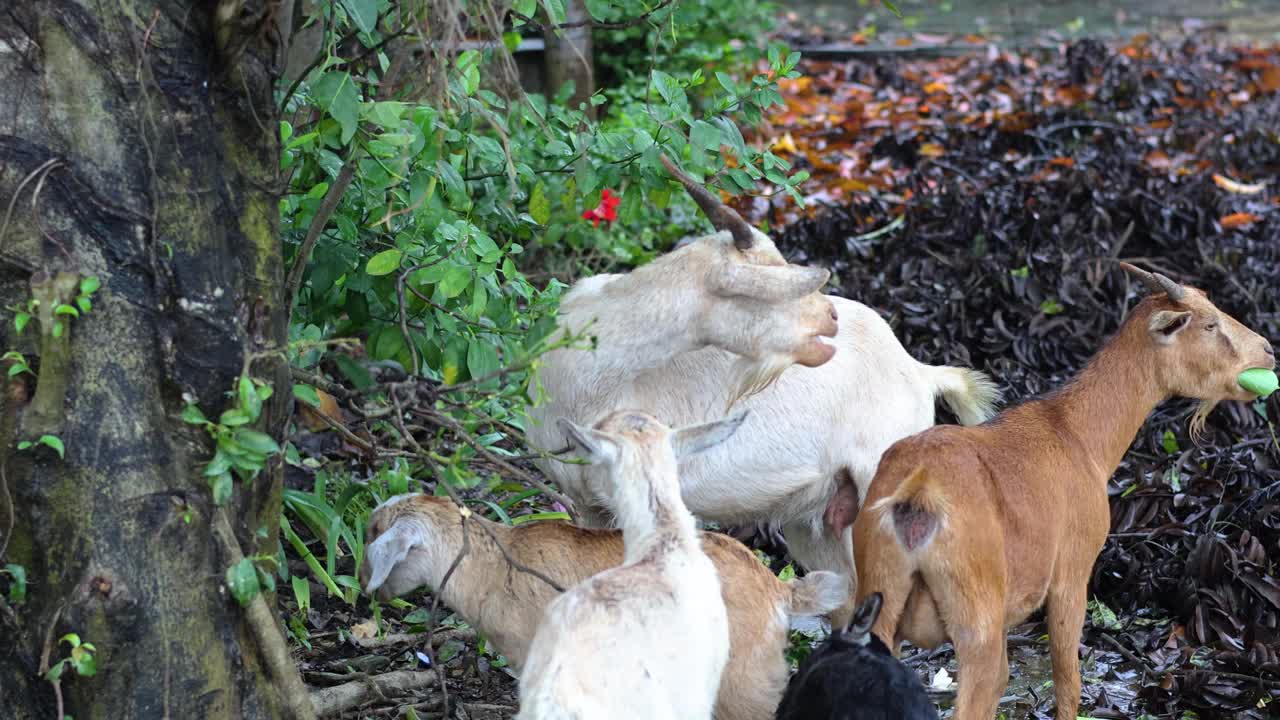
328	407
932	150
903	41
1269	80
934	87
1072	94
1238	220
1065	162
1239	188
1158	160
784	144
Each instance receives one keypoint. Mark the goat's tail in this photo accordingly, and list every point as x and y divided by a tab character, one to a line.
817	593
971	394
915	511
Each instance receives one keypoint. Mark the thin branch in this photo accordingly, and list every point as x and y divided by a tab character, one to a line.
318	223
593	24
461	433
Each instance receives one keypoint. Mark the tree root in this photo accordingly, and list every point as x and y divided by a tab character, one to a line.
333	700
275	653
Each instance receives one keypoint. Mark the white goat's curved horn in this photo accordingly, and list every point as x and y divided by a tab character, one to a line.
721	216
1156	282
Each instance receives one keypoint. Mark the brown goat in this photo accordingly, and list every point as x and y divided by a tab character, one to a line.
413	539
968	530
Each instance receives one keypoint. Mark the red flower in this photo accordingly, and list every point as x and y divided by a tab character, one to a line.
607	210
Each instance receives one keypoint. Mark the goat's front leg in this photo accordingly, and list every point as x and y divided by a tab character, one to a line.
1065	613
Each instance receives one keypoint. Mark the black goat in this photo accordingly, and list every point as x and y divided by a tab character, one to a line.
853	676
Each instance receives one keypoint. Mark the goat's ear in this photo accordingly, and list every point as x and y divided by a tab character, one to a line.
694	439
864	618
1165	324
769	283
594	446
390	549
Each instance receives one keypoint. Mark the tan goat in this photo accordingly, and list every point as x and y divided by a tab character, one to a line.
413	539
968	530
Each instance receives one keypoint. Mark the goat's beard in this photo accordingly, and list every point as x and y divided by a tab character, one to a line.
756	376
1198	418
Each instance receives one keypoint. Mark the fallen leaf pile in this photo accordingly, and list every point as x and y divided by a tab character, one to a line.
981	203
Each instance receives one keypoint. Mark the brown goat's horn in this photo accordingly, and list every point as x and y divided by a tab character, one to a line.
722	216
1156	282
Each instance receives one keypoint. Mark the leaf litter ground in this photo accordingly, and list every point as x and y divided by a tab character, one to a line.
980	203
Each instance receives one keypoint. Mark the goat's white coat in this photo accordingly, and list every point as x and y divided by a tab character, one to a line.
781	466
647	640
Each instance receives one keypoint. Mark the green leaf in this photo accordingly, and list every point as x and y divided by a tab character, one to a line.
220	463
255	441
384	263
788	573
307	394
233	417
521	519
511	40
1170	442
55	672
453	184
525	7
23	445
455	280
242	581
468	64
20	320
82	660
705	137
18	368
539	204
727	82
54	442
57	328
364	13
66	310
192	415
668	87
249	400
17	583
335	93
301	592
85	303
89	285
482	358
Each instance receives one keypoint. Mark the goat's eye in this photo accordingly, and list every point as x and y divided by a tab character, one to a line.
1211	327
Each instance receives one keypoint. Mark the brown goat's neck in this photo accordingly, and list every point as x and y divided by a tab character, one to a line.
468	588
1105	406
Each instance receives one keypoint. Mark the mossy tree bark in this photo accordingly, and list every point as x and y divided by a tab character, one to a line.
138	145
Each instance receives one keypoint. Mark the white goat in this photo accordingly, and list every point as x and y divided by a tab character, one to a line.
693	332
647	640
413	540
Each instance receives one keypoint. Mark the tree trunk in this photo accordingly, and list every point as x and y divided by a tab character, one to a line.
568	57
138	145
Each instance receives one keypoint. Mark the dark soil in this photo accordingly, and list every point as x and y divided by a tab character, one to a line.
1018	184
